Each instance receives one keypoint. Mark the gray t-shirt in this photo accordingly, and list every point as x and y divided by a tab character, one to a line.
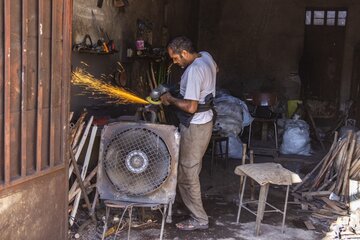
198	80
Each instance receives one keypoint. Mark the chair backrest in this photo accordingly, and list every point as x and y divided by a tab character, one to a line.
264	103
264	99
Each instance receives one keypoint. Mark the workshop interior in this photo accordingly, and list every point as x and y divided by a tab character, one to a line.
89	148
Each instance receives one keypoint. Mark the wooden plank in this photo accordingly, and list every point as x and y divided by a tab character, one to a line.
7	76
53	66
40	90
316	194
15	88
331	204
81	144
31	84
55	84
83	172
24	88
65	87
66	75
309	225
2	56
46	75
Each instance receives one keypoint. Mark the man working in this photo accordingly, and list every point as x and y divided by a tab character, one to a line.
197	87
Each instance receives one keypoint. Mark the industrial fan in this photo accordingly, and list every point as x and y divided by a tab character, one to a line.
138	162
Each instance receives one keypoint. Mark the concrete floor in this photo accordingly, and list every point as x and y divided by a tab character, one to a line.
220	195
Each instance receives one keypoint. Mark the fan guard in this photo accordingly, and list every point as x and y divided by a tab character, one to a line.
136	161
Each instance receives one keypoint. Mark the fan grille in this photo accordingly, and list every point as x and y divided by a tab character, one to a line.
137	161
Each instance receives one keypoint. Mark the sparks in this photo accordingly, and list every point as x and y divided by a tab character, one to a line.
121	96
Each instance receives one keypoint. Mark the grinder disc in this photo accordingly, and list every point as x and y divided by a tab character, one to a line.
148	98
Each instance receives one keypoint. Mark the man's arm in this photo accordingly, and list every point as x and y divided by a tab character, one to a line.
189	106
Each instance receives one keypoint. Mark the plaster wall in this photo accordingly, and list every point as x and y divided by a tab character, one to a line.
179	17
259	42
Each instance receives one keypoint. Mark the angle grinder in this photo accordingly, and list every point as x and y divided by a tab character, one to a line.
156	93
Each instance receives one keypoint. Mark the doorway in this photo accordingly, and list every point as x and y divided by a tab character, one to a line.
323	54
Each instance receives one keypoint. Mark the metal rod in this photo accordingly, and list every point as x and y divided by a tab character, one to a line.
285	208
241	199
163	222
130	221
107	213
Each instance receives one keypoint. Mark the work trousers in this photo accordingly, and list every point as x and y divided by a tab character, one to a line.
193	144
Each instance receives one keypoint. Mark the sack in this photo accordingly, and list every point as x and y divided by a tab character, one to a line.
296	138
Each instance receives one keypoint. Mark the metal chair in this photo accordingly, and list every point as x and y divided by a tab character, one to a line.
129	207
263	114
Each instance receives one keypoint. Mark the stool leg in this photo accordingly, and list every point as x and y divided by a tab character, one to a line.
107	213
285	208
242	187
261	208
163	222
169	215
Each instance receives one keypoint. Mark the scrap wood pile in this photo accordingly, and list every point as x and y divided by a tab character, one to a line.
325	190
82	183
345	227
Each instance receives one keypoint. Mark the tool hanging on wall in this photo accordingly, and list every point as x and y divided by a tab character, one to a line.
120	76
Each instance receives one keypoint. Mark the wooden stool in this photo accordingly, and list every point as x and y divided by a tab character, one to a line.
264	174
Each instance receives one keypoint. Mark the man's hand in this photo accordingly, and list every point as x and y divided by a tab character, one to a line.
165	98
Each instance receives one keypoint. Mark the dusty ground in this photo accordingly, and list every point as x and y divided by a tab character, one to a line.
220	194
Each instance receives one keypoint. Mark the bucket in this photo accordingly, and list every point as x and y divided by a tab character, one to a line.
292	106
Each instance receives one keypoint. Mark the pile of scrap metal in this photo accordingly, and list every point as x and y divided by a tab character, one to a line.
326	191
82	185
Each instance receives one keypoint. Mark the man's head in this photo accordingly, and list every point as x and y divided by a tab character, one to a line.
181	50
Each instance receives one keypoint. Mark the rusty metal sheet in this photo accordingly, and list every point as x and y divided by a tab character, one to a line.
35	209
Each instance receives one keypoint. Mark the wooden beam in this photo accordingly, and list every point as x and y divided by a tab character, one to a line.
24	81
40	90
7	86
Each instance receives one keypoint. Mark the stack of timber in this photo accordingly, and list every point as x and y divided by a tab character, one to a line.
325	190
81	181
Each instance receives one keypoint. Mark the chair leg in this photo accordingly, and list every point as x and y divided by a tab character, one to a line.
107	213
285	208
163	222
242	187
276	136
261	208
249	140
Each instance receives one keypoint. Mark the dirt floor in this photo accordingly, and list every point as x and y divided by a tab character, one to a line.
220	196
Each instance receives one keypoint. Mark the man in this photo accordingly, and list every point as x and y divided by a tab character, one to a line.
197	87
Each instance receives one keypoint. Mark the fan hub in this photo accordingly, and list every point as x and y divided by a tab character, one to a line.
136	161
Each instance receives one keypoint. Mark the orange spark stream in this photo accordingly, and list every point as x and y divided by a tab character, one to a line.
84	79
